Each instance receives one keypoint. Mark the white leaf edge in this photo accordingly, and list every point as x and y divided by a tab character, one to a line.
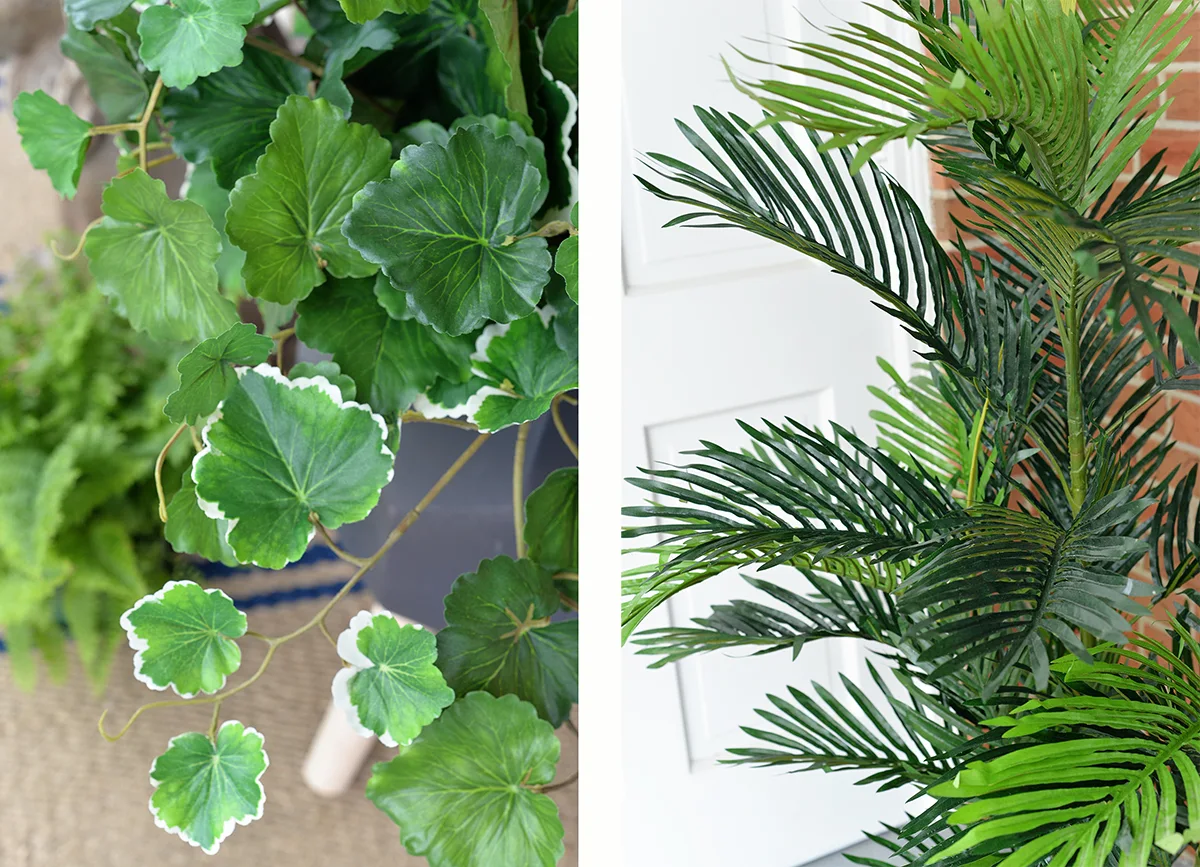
230	824
483	342
347	648
141	645
325	387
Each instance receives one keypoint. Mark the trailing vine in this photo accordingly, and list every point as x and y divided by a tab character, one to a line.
399	195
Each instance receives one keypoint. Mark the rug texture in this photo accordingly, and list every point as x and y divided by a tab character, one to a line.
70	799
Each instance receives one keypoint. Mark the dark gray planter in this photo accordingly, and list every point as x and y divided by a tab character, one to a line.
471	520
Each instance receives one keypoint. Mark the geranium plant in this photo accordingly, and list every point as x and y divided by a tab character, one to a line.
393	183
1020	540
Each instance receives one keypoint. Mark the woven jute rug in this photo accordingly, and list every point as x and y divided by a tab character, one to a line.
70	799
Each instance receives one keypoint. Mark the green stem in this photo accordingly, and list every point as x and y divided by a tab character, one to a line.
518	488
318	619
1076	432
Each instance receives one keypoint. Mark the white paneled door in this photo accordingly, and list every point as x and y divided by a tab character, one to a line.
720	326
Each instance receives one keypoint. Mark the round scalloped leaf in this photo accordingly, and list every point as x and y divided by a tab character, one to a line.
499	638
206	373
190	39
445	399
190	531
552	522
184	638
525	361
440	227
465	793
391	689
227	116
54	138
157	258
328	369
287	216
280	449
390	360
566	259
204	788
531	144
86	14
361	11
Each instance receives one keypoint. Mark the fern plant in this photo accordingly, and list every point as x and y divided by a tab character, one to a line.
1015	539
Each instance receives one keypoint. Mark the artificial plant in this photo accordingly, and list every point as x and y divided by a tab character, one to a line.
81	420
392	182
1020	537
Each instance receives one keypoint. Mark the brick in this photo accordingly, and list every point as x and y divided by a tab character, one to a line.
1179	144
1185	97
1186	419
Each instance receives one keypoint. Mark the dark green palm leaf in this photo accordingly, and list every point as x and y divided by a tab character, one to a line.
1003	583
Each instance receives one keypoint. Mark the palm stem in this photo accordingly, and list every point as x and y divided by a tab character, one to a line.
1076	433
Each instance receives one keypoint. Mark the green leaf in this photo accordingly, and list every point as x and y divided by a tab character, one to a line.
191	531
206	373
560	55
1099	762
525	362
117	88
281	450
54	137
390	360
287	216
566	259
446	399
346	41
184	638
360	11
227	117
203	188
463	75
499	24
328	369
86	14
204	789
500	639
552	522
465	793
440	228
531	144
391	688
156	258
194	38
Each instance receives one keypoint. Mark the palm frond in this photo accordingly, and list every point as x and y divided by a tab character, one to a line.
838	608
869	230
865	227
805	499
1021	64
1003	582
919	743
1101	769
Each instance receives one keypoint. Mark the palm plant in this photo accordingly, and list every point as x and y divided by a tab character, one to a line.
990	540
